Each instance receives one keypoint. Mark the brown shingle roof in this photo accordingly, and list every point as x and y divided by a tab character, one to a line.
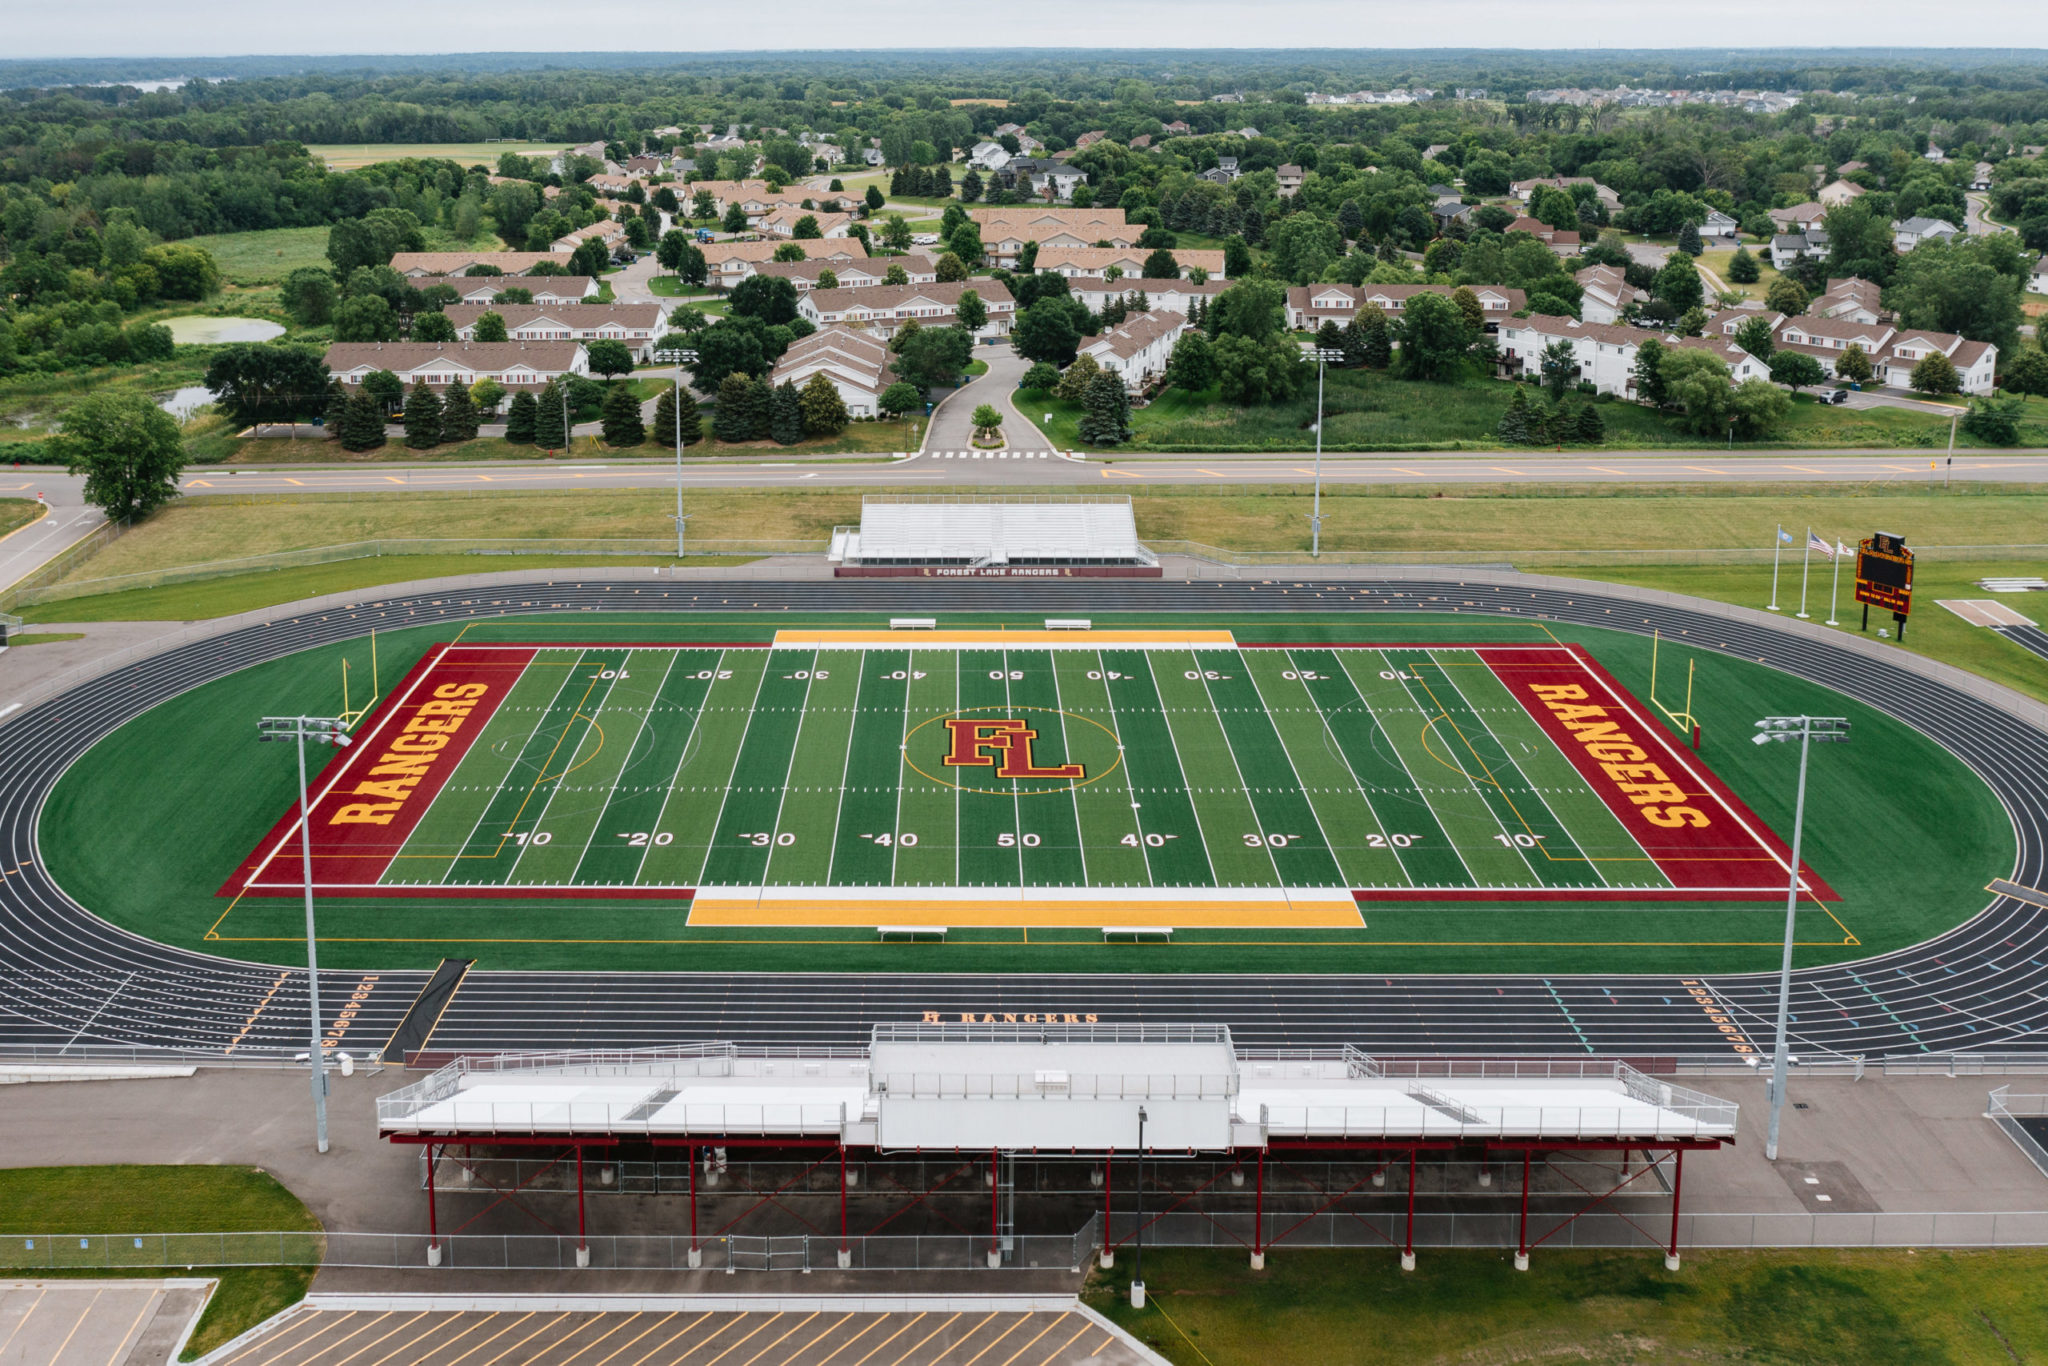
455	262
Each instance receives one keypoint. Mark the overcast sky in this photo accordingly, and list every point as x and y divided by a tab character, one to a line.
197	28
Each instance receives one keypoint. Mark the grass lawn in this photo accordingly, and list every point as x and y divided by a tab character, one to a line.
1367	410
673	287
16	513
187	1199
265	257
1818	1308
43	637
1933	630
353	156
1716	259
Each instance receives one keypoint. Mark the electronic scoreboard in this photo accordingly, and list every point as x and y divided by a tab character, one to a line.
1884	577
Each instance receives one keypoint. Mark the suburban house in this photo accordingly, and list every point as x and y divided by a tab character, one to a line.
988	156
420	263
782	221
2039	284
1310	306
1169	296
604	230
1825	339
639	326
1040	177
1980	177
1557	239
1178	128
612	186
481	289
1911	232
1975	362
1851	167
1449	211
516	365
1729	321
1840	192
1138	347
1605	355
1005	230
1290	179
731	262
754	197
918	269
1078	261
1851	298
881	309
1787	248
1607	293
1799	218
1525	190
856	364
1719	224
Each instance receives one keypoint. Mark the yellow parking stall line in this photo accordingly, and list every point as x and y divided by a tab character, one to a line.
934	1333
1006	1361
897	1334
878	1321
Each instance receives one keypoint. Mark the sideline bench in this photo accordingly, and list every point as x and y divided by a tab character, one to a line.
912	932
913	623
1069	624
1137	934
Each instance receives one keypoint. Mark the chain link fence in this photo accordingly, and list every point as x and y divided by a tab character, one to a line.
1537	558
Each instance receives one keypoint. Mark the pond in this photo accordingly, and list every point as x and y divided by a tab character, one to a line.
182	403
196	329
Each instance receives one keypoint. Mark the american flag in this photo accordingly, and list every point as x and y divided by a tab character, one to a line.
1814	542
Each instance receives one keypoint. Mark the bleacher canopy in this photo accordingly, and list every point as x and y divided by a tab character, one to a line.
975	532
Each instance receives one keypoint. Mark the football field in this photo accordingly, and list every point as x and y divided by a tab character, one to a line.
1125	778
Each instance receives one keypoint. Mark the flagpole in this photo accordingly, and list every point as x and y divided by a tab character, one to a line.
1834	587
1777	540
1805	560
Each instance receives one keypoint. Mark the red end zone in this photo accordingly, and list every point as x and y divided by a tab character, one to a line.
1703	838
369	797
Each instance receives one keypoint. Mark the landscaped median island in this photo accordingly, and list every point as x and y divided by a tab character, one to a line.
16	513
57	1208
1817	1308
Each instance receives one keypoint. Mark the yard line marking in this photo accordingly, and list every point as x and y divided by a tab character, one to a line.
731	774
1373	712
1272	859
1067	748
568	677
1193	809
1345	759
1016	801
1300	787
624	669
682	757
1443	713
803	714
675	657
846	760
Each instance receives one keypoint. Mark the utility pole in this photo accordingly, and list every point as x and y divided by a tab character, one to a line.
1323	355
678	357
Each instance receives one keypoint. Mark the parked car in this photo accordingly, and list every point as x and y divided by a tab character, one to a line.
1838	397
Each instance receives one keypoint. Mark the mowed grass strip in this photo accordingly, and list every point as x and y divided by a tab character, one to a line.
749	824
929	809
704	777
1102	805
631	823
1302	854
818	772
611	729
864	846
1048	830
1169	829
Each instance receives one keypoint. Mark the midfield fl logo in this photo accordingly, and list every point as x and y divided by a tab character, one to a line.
1012	750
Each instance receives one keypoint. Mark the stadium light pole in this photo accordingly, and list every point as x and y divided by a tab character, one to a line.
1808	731
1138	1262
320	730
1323	356
678	357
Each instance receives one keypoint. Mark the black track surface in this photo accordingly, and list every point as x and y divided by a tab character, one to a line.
68	977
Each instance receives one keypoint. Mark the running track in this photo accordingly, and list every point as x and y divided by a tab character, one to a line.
66	977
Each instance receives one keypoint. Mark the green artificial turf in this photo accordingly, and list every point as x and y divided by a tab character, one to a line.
1779	1308
185	794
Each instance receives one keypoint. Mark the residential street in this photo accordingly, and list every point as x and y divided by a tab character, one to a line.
952	427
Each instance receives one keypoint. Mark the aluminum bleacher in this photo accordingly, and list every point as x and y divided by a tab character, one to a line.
1019	536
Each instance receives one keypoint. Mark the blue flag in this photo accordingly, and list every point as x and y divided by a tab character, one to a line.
1784	536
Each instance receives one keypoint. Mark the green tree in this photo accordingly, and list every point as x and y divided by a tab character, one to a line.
895	275
1161	265
362	427
1959	287
422	418
367	318
1591	428
786	415
620	418
789	251
1041	377
458	415
386	388
1106	415
896	234
1513	429
1237	257
823	409
1192	366
1994	421
732	420
985	418
1260	371
1047	331
931	357
900	398
771	298
1796	370
433	328
1435	339
1075	379
1757	408
1559	365
308	295
1678	284
807	229
128	449
2027	373
666	409
1689	240
336	411
949	268
1742	268
609	357
550	419
874	200
259	385
486	394
1786	296
1253	309
522	419
1469	305
1699	382
829	279
1375	344
970	312
1754	336
1935	373
1649	371
1304	246
735	219
490	327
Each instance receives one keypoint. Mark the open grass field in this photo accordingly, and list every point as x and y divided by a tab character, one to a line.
1716	259
1368	410
355	155
1007	778
1230	778
1790	1308
266	257
57	1201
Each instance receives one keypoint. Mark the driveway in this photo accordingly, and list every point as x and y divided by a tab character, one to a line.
1648	253
952	425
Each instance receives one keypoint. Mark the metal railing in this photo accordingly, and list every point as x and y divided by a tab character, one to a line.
14	1053
649	1114
1055	1085
1539	558
1441	1116
2007	1110
1109	1032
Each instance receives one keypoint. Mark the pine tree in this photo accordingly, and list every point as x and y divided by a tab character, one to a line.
1514	423
362	427
422	418
664	431
1689	240
337	408
1107	419
760	409
1592	428
786	415
733	419
824	410
520	419
622	425
1379	337
550	425
458	415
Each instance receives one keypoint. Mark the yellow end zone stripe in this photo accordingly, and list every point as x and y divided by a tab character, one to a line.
812	640
967	912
